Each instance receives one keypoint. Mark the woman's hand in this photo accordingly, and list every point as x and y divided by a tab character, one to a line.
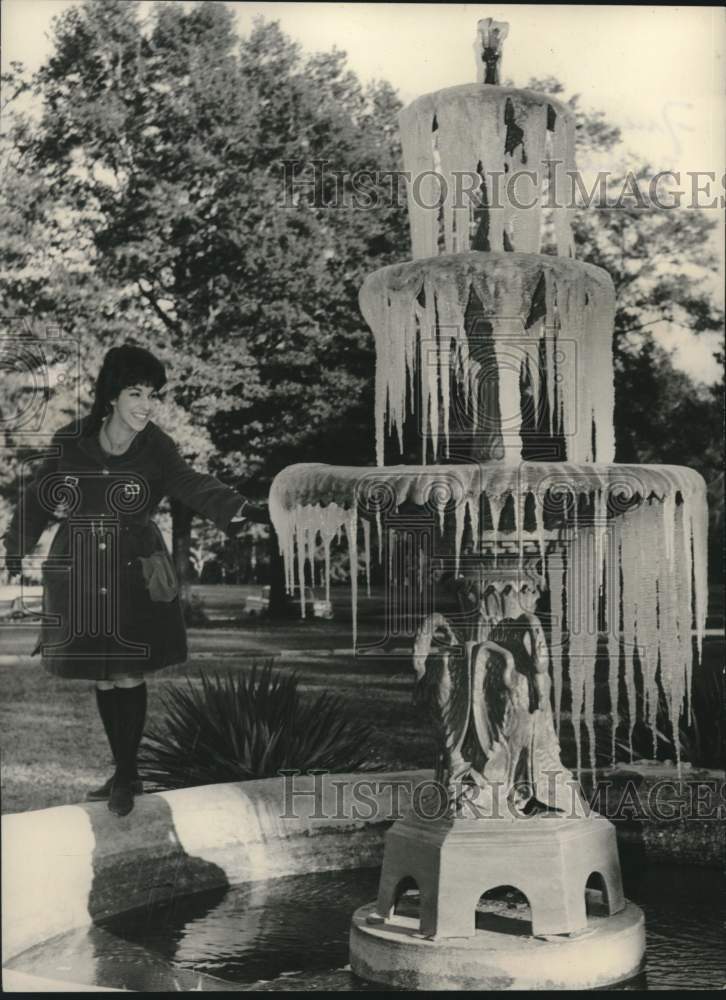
256	512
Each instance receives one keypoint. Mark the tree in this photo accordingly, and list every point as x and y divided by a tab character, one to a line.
168	173
171	148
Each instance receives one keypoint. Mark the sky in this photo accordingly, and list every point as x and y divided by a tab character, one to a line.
657	72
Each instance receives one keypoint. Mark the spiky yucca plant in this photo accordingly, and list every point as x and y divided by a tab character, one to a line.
239	726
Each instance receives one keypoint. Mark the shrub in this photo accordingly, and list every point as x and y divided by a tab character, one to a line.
235	727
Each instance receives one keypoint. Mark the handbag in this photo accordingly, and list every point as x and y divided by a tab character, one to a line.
159	576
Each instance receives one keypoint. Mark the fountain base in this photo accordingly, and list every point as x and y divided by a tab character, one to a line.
548	858
610	950
506	903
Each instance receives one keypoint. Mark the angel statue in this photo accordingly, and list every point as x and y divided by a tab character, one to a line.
489	699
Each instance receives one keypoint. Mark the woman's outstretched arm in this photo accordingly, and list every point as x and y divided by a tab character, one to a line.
205	494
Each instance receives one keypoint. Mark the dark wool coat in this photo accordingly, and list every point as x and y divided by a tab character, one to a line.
110	602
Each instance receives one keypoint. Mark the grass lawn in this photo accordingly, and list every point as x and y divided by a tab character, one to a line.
54	749
52	745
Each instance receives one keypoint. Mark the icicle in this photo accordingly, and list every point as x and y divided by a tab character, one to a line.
582	595
576	604
687	541
530	366
541	539
326	550
570	168
495	505
301	568
416	123
685	626
309	547
698	516
491	137
351	528
556	574
508	392
535	132
559	151
600	501
630	558
472	505
444	355
367	554
460	512
440	498
430	371
474	394
589	699
549	345
375	316
669	524
612	610
671	659
647	614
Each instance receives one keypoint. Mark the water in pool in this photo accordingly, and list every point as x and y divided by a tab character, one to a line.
292	934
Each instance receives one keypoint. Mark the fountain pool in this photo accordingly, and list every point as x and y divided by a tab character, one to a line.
292	934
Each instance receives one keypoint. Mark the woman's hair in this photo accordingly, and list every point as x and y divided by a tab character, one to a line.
123	366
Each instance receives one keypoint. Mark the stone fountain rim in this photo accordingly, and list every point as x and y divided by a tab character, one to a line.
467	260
417	480
54	859
487	90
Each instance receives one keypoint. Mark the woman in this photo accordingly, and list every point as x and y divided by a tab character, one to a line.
111	609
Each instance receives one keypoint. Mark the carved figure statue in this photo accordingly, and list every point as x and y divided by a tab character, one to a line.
489	699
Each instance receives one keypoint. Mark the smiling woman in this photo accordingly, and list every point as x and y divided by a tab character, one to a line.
111	610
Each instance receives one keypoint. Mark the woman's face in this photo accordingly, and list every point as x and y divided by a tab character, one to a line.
134	406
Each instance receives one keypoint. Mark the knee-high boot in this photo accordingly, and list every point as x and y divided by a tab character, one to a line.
106	702
129	718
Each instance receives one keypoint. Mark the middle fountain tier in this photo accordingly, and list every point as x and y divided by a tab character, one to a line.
494	370
490	356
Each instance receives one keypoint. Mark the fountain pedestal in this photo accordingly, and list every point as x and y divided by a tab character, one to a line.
454	861
505	812
575	939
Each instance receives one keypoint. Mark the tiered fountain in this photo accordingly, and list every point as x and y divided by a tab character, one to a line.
499	358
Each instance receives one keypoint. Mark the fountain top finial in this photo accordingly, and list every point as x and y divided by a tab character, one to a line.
490	40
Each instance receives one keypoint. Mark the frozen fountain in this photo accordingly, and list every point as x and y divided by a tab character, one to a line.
496	361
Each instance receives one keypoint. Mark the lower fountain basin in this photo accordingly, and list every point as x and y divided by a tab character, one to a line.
209	888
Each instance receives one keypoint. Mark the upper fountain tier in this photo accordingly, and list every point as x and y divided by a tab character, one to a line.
483	343
493	356
484	161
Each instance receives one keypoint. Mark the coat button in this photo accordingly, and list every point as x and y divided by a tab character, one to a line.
102	546
104	590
